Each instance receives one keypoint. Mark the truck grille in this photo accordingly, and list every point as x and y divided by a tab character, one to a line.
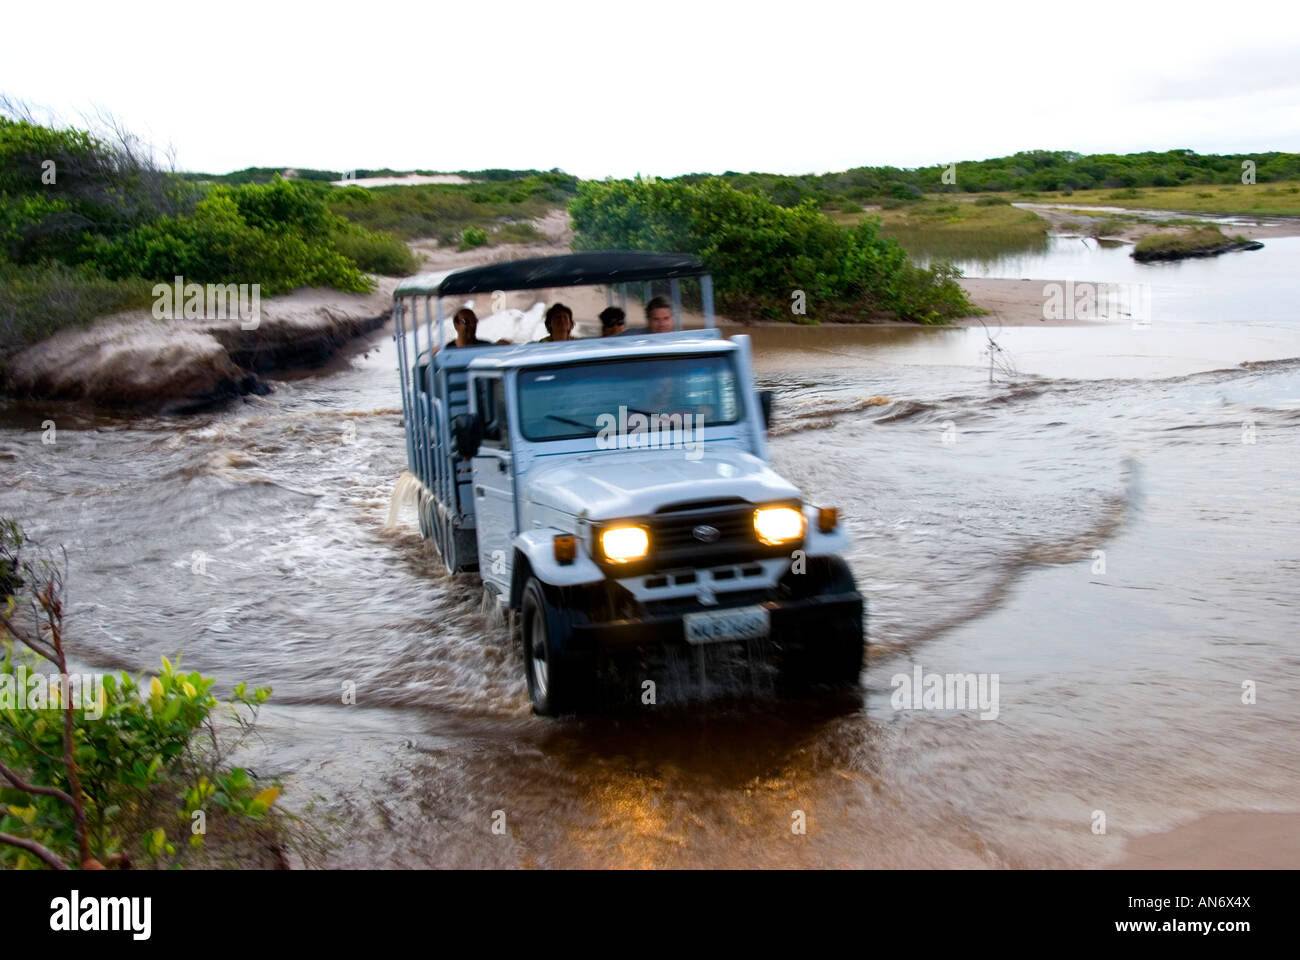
685	538
675	532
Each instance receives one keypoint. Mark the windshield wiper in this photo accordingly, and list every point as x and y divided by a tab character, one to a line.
572	423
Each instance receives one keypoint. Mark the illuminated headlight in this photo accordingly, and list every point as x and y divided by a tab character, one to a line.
624	544
778	524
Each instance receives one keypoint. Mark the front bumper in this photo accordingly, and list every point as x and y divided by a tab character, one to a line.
793	623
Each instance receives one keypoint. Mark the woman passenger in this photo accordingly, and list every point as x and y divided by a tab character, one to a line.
559	324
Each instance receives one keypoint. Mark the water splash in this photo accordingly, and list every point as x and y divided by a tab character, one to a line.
406	493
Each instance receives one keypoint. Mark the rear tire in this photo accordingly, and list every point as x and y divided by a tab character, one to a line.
447	549
560	679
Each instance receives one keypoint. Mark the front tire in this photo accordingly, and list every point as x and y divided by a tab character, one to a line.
833	657
836	660
560	679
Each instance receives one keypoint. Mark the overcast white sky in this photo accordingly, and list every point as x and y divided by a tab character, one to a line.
664	87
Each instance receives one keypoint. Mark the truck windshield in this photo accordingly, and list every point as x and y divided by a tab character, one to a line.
583	399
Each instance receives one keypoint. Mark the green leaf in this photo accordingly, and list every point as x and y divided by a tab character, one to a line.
171	711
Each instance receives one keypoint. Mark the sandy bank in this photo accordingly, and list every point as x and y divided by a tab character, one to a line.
1013	303
1220	841
133	360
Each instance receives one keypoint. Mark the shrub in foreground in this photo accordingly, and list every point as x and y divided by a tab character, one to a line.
125	772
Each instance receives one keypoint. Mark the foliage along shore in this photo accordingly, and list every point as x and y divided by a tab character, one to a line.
88	225
1039	171
1196	242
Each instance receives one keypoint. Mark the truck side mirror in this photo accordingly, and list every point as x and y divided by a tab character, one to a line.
467	434
765	401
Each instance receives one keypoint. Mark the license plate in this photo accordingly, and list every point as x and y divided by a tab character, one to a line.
720	626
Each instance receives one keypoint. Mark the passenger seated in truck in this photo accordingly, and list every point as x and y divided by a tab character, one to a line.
659	315
466	323
559	324
613	321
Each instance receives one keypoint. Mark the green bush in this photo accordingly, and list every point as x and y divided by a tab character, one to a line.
992	202
233	237
1111	226
105	224
1029	170
148	761
1186	241
472	237
38	300
380	253
517	233
442	209
760	252
58	187
147	744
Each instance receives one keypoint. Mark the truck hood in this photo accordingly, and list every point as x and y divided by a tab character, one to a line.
607	484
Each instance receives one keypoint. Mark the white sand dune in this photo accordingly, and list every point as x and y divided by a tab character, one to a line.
410	180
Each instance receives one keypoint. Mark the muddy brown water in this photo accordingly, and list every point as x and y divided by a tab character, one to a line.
252	541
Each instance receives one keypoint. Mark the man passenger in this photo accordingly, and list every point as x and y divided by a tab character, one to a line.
613	321
466	323
659	315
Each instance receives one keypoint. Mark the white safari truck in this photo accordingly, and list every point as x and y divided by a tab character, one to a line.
615	493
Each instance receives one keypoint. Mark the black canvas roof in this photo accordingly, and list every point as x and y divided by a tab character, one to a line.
570	270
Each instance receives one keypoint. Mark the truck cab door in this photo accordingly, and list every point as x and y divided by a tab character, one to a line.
494	486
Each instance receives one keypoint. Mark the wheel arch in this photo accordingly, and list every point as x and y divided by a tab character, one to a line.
534	555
